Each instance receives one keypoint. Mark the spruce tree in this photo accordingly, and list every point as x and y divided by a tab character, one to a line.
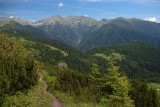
120	85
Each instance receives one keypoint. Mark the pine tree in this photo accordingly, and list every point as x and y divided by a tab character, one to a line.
120	86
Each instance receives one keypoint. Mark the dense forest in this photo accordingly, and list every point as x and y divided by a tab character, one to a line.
140	60
107	76
112	89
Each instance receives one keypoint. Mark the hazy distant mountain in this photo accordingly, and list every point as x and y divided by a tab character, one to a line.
82	26
121	30
103	22
4	20
15	26
70	30
50	21
77	21
85	33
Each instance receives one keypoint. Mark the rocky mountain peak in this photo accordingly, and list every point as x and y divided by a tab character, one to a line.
51	21
75	20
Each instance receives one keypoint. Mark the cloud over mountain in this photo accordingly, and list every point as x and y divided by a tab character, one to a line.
152	19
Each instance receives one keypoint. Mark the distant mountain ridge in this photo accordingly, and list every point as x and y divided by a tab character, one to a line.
86	33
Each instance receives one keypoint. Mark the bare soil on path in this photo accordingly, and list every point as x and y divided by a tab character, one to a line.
55	101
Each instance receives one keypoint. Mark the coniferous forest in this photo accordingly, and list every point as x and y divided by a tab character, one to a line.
108	76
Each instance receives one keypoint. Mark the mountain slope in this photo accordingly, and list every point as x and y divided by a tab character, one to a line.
55	53
120	31
13	26
75	77
141	60
69	30
82	26
85	33
5	20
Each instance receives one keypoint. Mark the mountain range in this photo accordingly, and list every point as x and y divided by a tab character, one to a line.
113	48
85	33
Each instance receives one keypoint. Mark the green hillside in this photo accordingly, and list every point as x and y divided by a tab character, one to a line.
141	61
96	77
53	52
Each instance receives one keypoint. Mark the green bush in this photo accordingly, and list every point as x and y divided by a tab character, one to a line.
18	68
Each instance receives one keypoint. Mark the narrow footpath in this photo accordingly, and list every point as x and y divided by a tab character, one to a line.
55	101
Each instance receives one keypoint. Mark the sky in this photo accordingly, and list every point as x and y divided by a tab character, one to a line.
34	10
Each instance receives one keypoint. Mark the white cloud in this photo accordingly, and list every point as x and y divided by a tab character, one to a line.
152	19
60	4
11	17
86	15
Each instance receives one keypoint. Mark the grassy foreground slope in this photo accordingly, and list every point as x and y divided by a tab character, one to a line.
35	97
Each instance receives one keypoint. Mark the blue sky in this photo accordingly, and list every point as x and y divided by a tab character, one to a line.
38	9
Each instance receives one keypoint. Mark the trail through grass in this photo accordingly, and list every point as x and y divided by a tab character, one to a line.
35	97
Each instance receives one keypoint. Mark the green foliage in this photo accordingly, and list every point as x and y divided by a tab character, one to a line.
52	52
112	89
94	79
77	64
141	60
156	87
69	81
35	97
81	86
93	87
121	87
18	69
142	95
46	53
